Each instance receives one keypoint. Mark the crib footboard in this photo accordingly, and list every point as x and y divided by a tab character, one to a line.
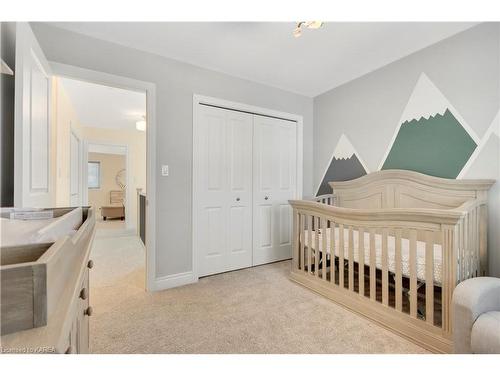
398	267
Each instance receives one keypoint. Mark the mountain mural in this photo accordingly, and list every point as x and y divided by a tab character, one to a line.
438	146
485	161
345	165
432	137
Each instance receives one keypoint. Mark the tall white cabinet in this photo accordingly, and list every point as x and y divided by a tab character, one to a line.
245	169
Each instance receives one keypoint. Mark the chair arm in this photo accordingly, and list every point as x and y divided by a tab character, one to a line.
472	298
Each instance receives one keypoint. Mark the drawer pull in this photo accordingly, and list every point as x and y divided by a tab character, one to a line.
90	264
88	311
84	294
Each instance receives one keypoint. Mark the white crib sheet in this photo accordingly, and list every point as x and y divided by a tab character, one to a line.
391	251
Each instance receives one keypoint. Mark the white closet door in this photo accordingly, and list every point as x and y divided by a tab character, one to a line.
224	222
33	185
274	180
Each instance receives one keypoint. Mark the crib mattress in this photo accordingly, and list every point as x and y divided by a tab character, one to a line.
391	252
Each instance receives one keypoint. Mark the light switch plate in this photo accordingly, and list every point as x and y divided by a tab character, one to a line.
164	170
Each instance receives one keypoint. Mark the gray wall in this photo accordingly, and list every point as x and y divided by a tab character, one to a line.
176	83
8	48
464	67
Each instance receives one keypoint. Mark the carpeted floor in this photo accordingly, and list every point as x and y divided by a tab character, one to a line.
255	310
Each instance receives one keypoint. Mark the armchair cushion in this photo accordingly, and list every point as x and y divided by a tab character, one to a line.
471	299
485	335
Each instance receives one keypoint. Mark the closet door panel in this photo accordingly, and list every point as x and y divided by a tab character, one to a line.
274	184
239	156
223	240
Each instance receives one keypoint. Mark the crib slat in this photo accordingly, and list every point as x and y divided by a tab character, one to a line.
373	269
316	246
351	259
467	245
445	276
477	247
361	261
429	277
341	255
302	235
464	249
295	240
413	273
456	256
323	248
332	252
471	244
474	245
385	272
478	242
460	241
398	273
309	243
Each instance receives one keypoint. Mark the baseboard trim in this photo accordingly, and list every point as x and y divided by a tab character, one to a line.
173	281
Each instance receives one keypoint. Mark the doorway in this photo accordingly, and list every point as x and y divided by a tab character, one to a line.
108	186
113	173
44	178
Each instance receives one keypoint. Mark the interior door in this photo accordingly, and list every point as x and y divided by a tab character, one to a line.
274	180
224	190
32	170
75	170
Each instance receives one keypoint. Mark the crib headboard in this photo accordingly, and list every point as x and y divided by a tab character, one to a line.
407	189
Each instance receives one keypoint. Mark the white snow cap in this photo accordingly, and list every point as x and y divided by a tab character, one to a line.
344	148
426	100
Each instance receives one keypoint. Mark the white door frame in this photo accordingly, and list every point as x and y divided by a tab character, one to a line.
129	197
201	99
93	76
72	132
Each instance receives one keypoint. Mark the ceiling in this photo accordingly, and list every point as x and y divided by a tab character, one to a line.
266	52
103	106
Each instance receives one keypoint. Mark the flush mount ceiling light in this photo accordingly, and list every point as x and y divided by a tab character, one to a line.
306	24
141	125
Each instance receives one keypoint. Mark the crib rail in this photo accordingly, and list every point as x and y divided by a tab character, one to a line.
403	261
470	237
328	199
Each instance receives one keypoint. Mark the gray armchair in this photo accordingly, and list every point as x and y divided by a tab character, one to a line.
476	316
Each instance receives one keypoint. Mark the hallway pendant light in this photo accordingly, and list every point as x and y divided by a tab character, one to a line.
307	24
141	125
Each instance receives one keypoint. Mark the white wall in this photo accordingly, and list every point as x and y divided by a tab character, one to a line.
176	83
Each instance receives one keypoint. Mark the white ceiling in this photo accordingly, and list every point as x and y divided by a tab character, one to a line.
267	52
103	106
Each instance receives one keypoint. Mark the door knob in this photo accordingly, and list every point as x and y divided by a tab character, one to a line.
266	198
237	199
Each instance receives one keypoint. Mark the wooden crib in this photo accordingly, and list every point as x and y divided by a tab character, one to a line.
392	246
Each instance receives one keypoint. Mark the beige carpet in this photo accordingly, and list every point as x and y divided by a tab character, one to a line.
111	223
256	310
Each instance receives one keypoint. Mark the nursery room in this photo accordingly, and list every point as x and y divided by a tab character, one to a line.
251	186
